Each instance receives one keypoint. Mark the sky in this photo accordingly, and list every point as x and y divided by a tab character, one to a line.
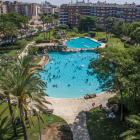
59	2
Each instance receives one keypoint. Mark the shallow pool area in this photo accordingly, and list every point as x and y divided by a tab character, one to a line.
83	42
67	77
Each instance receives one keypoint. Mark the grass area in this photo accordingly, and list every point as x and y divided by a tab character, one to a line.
113	40
38	59
73	34
41	36
33	133
100	127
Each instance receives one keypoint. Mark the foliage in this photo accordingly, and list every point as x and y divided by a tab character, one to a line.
123	39
101	28
62	127
64	26
134	132
114	100
126	45
32	23
104	128
93	34
32	50
74	29
87	22
42	41
23	44
39	28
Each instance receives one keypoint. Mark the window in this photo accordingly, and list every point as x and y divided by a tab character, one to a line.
77	10
128	19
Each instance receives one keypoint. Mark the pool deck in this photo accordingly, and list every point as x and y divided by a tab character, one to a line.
73	111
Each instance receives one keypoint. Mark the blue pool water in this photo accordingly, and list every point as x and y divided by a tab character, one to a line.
70	64
85	43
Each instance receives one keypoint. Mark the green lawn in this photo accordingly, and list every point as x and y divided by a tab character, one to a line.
100	127
38	59
113	40
33	133
73	34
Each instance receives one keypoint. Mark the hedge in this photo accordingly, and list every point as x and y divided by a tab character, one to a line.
42	41
123	39
10	48
93	34
113	100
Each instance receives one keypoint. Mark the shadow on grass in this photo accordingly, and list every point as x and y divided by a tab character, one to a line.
100	127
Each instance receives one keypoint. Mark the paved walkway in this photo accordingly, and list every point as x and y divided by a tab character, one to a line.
73	111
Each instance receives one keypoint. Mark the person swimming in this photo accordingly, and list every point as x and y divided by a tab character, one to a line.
87	79
73	76
68	84
59	70
56	85
50	67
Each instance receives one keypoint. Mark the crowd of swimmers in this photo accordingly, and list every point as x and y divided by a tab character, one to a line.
56	76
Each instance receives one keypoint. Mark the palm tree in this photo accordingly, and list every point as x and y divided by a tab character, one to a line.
113	21
24	86
4	32
26	27
12	31
43	20
98	20
134	132
6	94
108	21
50	20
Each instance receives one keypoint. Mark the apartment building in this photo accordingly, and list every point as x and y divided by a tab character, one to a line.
3	8
126	12
24	9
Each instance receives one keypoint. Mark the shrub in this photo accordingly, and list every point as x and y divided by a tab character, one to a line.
62	127
119	36
40	48
128	42
93	34
68	29
23	44
32	23
57	36
32	50
64	26
113	100
126	45
42	41
106	45
105	41
55	32
123	39
101	28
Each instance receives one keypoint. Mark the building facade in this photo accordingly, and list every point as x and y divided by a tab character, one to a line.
3	8
126	12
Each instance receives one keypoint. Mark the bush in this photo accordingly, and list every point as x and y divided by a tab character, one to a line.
42	41
32	23
114	100
106	45
126	45
128	42
55	32
64	26
123	39
57	37
62	127
68	29
23	44
32	50
56	40
93	34
40	48
101	28
119	36
105	41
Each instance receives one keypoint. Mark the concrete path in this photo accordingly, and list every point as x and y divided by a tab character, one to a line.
73	111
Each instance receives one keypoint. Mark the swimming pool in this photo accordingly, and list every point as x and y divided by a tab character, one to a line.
69	68
85	43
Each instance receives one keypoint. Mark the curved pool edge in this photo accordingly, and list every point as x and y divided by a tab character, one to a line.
102	44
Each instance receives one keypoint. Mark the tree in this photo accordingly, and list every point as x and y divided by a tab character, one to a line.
25	84
39	28
7	94
134	132
87	22
32	23
26	27
75	29
97	27
45	14
108	70
136	35
23	44
43	20
4	32
12	31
